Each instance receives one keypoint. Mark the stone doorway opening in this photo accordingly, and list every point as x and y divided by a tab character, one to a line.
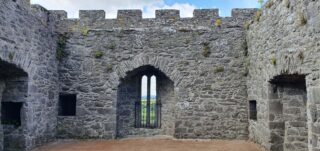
145	103
288	113
13	95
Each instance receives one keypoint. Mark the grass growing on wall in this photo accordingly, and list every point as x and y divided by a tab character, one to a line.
218	69
206	50
61	45
98	54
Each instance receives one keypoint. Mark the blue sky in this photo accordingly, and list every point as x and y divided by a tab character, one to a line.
186	7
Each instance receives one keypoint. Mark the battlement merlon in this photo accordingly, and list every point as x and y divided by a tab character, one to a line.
92	14
206	13
167	14
130	14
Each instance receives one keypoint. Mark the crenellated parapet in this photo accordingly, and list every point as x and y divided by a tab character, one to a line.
164	14
136	15
95	19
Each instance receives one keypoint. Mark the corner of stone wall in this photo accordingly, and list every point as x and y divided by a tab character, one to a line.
40	12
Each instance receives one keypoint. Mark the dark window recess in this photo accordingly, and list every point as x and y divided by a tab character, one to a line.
10	113
253	110
67	104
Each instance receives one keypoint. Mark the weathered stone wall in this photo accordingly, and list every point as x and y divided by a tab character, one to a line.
205	62
284	40
288	116
27	42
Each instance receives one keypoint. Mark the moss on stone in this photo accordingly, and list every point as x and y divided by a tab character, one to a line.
258	15
84	31
246	25
301	19
98	54
109	68
11	55
61	45
112	46
269	4
273	61
286	3
218	69
206	50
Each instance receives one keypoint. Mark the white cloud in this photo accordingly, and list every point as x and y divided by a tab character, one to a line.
111	6
186	10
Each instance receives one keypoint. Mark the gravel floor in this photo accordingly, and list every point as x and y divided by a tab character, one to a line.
147	144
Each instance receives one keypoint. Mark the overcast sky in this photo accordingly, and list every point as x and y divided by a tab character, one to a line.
186	7
144	86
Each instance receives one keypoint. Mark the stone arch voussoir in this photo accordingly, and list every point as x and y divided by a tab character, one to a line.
22	61
165	65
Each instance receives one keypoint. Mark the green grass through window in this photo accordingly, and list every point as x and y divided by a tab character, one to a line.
152	112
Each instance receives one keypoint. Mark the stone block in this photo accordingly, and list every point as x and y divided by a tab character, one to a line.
168	14
314	95
276	107
92	14
132	15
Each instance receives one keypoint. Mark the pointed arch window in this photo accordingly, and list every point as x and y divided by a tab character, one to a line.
148	107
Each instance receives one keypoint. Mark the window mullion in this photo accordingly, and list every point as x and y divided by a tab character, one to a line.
148	101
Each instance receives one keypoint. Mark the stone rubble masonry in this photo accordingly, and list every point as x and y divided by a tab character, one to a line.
211	72
284	41
28	41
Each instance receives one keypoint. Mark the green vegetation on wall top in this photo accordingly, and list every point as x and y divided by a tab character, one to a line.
61	45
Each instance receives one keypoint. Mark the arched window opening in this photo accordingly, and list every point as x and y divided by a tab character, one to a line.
148	108
144	98
153	100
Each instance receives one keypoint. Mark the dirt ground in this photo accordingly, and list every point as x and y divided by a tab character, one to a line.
150	145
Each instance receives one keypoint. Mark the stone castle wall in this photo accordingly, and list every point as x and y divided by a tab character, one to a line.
284	40
27	43
211	72
205	63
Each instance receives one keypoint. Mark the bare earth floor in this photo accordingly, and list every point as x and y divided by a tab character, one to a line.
146	144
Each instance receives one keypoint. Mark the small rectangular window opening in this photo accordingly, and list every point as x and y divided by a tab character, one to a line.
253	109
67	104
10	113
